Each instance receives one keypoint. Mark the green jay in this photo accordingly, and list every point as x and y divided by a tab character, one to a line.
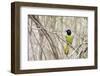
69	40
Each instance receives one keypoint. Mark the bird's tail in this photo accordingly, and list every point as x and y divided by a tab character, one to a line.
66	49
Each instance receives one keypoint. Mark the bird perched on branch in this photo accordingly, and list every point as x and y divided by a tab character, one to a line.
69	40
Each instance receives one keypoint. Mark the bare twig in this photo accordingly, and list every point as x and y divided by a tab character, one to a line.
76	49
46	35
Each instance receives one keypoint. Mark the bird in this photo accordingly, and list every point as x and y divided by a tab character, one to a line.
69	40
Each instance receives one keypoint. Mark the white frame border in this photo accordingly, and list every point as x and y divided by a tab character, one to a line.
24	64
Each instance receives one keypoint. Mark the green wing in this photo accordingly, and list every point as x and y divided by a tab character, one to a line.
69	39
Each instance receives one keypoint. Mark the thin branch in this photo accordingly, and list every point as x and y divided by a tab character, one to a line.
46	35
32	32
76	49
